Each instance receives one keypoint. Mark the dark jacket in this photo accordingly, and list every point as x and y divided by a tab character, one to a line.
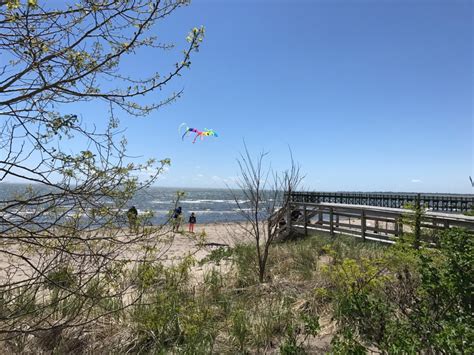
132	212
192	219
177	212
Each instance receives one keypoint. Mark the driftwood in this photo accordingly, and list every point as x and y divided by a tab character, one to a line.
214	245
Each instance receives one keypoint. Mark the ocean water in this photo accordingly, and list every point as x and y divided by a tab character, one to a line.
209	205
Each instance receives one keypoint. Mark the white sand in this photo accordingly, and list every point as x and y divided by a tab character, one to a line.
205	238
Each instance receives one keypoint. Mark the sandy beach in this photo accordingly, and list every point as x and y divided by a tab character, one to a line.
199	244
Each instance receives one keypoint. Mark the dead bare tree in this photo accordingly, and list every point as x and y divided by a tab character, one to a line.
63	243
266	196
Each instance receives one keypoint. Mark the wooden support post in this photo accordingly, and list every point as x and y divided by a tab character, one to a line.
362	225
417	230
396	232
376	226
337	221
305	213
320	216
331	221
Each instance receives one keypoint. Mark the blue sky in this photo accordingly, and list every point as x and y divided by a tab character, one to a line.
369	95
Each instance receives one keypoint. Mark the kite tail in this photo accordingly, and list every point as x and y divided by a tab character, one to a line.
198	133
186	132
180	129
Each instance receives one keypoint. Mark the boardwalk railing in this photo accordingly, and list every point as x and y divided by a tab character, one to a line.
435	202
366	222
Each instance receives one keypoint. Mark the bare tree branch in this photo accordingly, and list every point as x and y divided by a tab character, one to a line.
65	241
267	193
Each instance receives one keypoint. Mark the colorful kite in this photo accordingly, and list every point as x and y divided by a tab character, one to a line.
202	134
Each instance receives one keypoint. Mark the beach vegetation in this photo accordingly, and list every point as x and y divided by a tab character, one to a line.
217	255
323	294
409	300
66	249
469	213
266	193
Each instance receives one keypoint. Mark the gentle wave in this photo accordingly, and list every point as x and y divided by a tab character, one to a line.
207	211
214	201
162	201
211	211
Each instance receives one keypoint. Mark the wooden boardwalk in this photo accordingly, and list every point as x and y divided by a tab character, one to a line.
435	202
383	224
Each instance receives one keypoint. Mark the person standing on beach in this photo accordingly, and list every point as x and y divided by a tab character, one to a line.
192	222
132	215
177	219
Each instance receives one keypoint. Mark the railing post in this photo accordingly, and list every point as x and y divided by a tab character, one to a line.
331	221
320	216
417	222
362	225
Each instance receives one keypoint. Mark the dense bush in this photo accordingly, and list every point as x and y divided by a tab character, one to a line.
411	300
170	317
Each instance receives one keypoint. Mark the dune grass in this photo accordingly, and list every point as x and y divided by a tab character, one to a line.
322	294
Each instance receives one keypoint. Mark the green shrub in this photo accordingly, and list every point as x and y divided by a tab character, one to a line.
412	300
271	315
217	255
245	261
290	345
297	330
170	316
469	213
148	275
62	277
240	329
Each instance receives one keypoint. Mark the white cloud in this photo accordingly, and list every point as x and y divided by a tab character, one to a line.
231	179
150	171
416	181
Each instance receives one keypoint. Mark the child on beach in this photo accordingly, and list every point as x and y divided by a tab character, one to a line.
192	222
